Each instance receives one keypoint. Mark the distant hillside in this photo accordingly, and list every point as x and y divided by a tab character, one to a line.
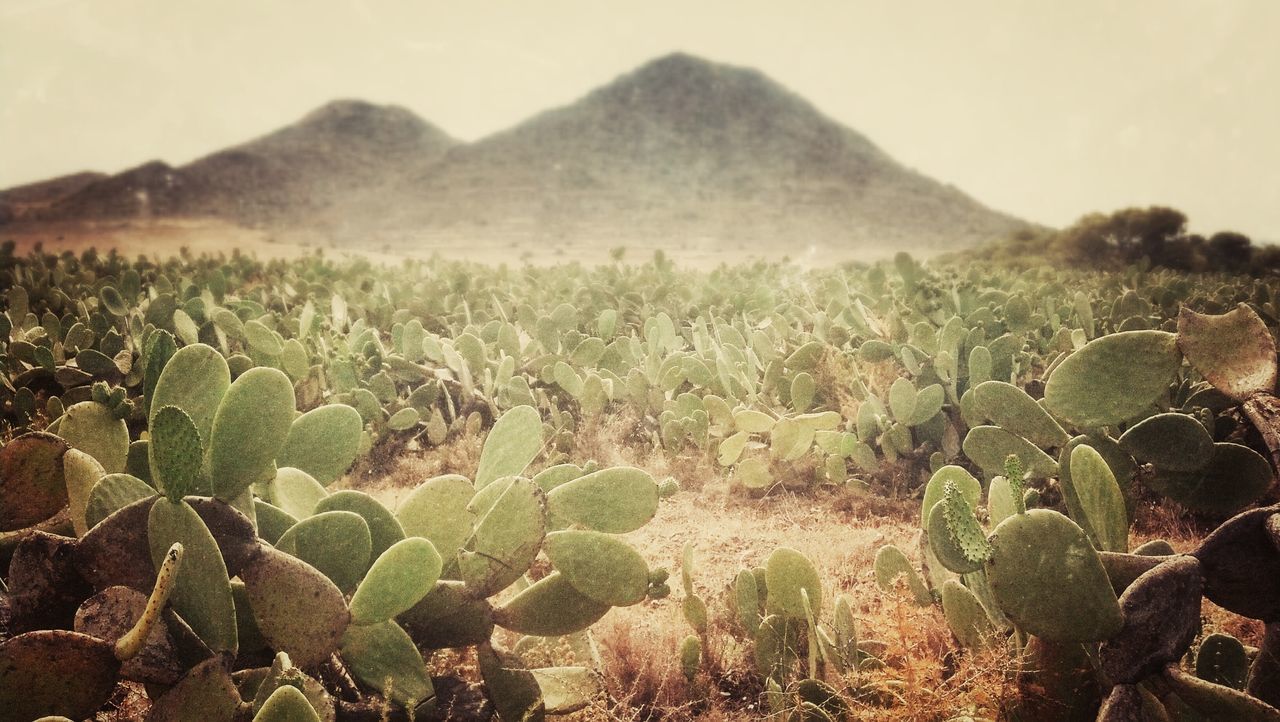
35	198
681	149
288	177
685	148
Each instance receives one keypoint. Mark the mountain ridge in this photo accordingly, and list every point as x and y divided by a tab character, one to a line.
679	148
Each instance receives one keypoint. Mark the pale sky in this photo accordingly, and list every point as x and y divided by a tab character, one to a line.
1046	110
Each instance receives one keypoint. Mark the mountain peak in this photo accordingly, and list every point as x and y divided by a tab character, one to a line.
681	79
679	148
359	116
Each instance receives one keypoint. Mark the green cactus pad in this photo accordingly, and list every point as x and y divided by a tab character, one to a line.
280	674
1011	408
1221	659
512	444
1113	378
92	428
891	563
1234	351
802	392
787	572
1121	464
1001	501
1175	442
614	501
195	379
286	704
384	528
928	403
337	543
902	399
437	510
754	476
965	616
969	487
1094	500
1235	477
175	453
955	536
203	593
298	609
690	656
139	463
112	493
32	482
510	524
384	657
554	476
513	689
753	422
295	492
249	428
399	578
600	566
323	442
551	607
777	644
989	446
82	473
746	597
273	522
1047	578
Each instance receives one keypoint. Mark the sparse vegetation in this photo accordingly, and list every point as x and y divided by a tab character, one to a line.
890	491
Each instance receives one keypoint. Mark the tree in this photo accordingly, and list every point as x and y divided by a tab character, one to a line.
1122	237
1230	251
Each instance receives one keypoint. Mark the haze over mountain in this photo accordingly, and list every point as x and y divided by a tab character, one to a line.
679	149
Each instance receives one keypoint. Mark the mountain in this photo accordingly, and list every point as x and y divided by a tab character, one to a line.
683	148
287	177
35	198
680	150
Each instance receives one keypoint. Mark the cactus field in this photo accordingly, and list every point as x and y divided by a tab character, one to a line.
323	489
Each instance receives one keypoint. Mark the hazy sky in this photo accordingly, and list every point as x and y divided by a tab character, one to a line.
1045	109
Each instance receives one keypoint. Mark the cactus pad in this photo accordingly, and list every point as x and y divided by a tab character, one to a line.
1234	351
512	444
250	426
32	485
787	573
323	442
399	578
384	657
600	566
615	500
1047	578
298	610
1113	378
550	607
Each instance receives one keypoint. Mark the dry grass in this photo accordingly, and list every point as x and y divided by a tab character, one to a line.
925	677
840	532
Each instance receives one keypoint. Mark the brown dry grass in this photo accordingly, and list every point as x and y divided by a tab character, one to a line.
838	531
926	676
